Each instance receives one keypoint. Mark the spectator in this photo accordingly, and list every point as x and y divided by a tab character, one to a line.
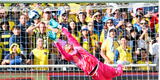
145	33
24	24
144	36
25	11
129	27
137	19
39	55
153	22
6	16
121	30
64	22
5	35
17	38
3	14
71	14
126	17
108	47
108	15
144	60
46	16
92	30
82	20
94	38
40	30
14	17
74	30
85	39
34	17
98	23
36	21
15	57
105	31
32	38
133	43
89	13
154	50
116	16
119	24
123	53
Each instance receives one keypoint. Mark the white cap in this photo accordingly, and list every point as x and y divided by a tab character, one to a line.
84	27
47	9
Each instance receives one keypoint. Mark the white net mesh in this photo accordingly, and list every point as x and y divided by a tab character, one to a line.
70	72
25	23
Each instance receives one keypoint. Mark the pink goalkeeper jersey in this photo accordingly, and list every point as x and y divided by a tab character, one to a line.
79	56
86	61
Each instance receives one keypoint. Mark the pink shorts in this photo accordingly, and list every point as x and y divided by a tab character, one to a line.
105	72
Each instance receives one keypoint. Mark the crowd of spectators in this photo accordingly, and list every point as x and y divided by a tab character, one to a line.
113	35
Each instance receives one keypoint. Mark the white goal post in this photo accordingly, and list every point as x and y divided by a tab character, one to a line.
61	66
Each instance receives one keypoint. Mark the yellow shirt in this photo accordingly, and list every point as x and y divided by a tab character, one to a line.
144	67
103	34
88	19
157	28
77	37
125	55
94	38
1	47
86	45
106	47
11	24
134	20
71	17
41	57
5	43
94	41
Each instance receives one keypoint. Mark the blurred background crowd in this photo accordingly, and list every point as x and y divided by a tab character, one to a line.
113	34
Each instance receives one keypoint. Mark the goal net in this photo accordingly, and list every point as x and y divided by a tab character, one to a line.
27	53
69	72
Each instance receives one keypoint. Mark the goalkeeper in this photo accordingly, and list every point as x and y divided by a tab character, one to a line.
73	52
